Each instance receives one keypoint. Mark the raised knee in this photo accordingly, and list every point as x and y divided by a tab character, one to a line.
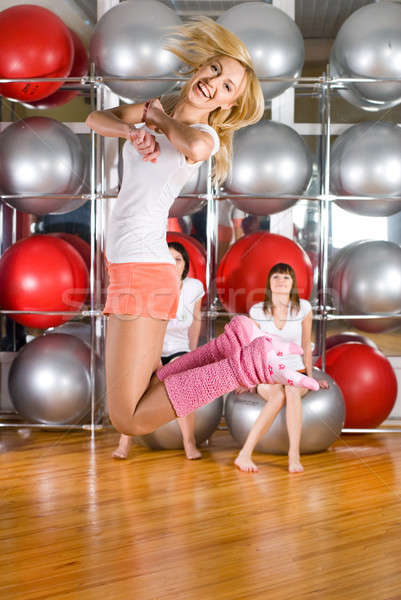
278	399
292	394
139	428
128	424
120	423
121	408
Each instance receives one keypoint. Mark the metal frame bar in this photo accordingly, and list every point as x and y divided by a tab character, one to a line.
96	85
212	241
324	219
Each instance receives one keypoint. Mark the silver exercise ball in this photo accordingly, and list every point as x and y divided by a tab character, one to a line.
128	41
273	39
366	279
351	95
168	436
197	184
41	156
369	45
269	158
49	380
336	268
323	414
366	161
262	206
80	329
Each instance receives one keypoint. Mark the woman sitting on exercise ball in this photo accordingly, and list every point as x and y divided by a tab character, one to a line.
284	314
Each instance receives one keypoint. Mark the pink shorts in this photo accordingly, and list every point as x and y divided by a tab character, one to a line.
142	290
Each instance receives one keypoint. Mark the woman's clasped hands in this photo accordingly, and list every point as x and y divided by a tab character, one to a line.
145	142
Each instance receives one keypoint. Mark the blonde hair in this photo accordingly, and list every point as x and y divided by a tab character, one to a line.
196	43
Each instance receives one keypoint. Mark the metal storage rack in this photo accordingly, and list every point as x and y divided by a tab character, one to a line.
100	194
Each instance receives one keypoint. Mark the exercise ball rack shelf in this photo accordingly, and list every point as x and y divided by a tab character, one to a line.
99	195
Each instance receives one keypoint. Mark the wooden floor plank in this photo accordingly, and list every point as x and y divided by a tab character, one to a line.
76	525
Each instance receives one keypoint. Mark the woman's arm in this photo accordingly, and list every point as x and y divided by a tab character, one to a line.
119	122
116	122
306	342
307	347
195	144
194	329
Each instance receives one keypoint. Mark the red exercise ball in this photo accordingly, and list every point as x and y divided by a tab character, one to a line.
78	243
34	42
348	336
84	250
242	272
42	272
174	225
367	381
79	69
196	253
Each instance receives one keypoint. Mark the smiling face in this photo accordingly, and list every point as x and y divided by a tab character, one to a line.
281	283
217	84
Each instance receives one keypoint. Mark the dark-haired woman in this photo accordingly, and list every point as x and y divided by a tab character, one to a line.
182	336
284	314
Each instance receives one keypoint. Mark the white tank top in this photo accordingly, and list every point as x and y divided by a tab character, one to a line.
291	332
176	338
138	223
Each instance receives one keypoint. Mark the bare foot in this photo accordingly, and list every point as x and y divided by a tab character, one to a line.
294	464
191	451
123	448
244	463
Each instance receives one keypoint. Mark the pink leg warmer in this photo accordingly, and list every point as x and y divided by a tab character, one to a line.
254	364
239	332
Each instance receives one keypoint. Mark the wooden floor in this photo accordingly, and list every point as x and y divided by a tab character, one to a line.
75	524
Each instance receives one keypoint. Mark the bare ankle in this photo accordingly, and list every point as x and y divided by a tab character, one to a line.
191	450
244	462
294	462
124	446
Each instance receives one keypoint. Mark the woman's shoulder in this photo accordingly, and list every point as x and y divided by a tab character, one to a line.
169	102
257	310
305	306
209	129
193	286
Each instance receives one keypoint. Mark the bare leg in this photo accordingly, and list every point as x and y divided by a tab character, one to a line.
294	427
123	448
125	441
136	408
133	349
274	396
187	426
153	410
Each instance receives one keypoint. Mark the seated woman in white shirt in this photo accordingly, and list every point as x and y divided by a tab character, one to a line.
181	336
282	313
